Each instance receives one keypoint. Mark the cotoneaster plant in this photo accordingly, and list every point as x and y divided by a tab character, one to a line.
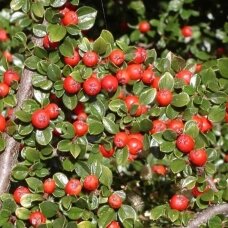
101	133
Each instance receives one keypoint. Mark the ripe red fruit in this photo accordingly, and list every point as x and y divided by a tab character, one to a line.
198	120
120	139
36	218
196	192
113	224
198	67
134	146
80	108
91	183
186	31
185	143
122	77
19	192
40	119
185	75
73	187
144	26
226	117
135	71
109	83
3	35
148	76
71	86
92	86
158	126
176	125
164	97
82	116
179	202
70	18
198	157
159	169
90	58
117	57
138	136
49	186
8	56
140	55
10	76
48	44
155	82
206	125
80	128
66	8
52	110
106	153
226	158
115	201
72	60
4	89
131	100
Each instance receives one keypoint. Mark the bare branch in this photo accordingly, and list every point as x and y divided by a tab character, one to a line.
207	214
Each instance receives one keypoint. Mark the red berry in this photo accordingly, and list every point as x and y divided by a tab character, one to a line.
138	136
226	117
122	77
140	55
226	158
120	139
91	183
106	153
66	8
144	26
48	44
179	202
90	58
49	186
36	218
8	56
3	35
4	89
40	119
19	192
52	110
206	125
185	75
109	83
196	192
186	31
198	119
198	157
134	146
80	128
164	97
115	201
79	108
70	18
92	86
71	86
159	169
72	60
185	143
155	82
135	71
10	76
158	126
176	125
198	67
82	116
117	57
113	224
148	76
73	187
131	100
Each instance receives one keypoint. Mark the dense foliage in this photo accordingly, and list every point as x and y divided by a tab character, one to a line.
125	120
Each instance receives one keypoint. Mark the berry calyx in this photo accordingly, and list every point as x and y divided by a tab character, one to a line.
73	187
91	183
115	201
40	119
179	202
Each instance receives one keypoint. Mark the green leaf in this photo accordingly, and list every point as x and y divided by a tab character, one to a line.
57	3
31	62
147	96
121	156
222	65
67	48
35	184
49	209
106	215
44	137
106	176
138	7
39	30
86	17
107	36
95	127
167	147
20	172
215	222
70	101
56	32
28	199
16	4
158	211
180	100
189	182
126	212
110	126
100	45
166	81
216	114
85	224
177	165
54	72
208	195
191	128
75	150
75	213
22	213
60	180
2	143
173	215
38	9
24	116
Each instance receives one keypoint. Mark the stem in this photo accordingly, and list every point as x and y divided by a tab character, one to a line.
207	214
8	158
